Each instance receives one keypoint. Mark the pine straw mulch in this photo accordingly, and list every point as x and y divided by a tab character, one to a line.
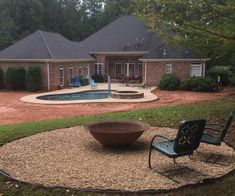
72	158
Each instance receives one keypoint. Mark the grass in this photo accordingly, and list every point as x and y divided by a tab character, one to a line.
215	111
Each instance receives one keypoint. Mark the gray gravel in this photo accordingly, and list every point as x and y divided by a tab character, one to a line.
72	158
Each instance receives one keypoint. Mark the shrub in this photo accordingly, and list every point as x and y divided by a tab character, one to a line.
202	84
1	78
169	82
98	78
15	78
84	81
33	78
222	72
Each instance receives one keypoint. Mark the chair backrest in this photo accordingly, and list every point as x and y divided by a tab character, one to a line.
189	135
227	125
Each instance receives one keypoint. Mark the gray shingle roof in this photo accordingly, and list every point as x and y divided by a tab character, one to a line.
127	33
176	52
45	45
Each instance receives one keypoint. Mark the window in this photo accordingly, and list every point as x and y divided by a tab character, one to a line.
196	70
168	68
98	68
80	70
71	71
61	75
118	71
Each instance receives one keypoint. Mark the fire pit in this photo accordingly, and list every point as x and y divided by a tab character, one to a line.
127	95
117	132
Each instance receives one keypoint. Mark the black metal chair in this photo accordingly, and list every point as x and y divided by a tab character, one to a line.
221	129
187	140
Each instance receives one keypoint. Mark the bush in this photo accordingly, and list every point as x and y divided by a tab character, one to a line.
15	78
222	72
98	78
1	78
169	82
84	81
200	84
33	78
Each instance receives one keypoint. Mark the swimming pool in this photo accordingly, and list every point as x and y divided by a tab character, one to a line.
86	95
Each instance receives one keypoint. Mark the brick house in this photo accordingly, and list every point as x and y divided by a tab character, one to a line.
124	48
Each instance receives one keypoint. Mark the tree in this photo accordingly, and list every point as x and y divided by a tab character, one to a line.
208	25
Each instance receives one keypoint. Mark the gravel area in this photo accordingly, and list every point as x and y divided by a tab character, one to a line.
72	158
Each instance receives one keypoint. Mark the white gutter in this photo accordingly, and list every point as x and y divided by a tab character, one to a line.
159	60
48	76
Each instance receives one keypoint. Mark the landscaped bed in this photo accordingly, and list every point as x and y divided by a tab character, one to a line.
72	158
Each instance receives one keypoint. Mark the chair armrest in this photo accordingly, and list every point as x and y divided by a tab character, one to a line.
213	124
214	129
160	136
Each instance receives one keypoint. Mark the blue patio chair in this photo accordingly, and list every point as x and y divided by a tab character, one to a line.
93	84
75	82
221	129
187	140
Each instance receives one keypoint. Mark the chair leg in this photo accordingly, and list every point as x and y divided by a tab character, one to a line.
150	153
174	160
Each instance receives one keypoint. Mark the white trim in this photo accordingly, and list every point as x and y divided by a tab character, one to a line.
124	53
61	68
48	60
168	65
157	60
194	65
145	71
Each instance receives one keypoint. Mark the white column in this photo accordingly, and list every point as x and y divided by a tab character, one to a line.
127	69
145	71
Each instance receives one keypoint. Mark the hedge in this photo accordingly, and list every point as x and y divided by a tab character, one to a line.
169	82
33	78
200	84
15	78
223	73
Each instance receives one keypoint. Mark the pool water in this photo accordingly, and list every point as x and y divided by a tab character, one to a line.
86	95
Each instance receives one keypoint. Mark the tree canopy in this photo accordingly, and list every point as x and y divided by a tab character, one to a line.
208	25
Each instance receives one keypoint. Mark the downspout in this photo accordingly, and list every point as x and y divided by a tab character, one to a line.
48	76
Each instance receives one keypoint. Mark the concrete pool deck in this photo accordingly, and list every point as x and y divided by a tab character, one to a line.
148	96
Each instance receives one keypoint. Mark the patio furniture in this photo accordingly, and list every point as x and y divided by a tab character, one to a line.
93	84
221	129
75	82
186	141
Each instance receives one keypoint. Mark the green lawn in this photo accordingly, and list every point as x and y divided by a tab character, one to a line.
215	111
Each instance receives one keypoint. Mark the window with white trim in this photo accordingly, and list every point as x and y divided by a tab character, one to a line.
71	71
98	68
168	68
61	75
80	70
196	70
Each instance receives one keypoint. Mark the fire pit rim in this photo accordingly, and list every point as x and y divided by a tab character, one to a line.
143	125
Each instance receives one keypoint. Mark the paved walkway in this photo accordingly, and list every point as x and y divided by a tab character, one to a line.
12	110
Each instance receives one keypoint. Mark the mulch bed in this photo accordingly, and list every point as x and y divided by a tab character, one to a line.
72	158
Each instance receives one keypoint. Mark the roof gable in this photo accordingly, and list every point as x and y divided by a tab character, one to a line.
45	45
127	33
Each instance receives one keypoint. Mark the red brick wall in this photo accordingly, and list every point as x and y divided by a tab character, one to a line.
155	70
55	77
54	72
